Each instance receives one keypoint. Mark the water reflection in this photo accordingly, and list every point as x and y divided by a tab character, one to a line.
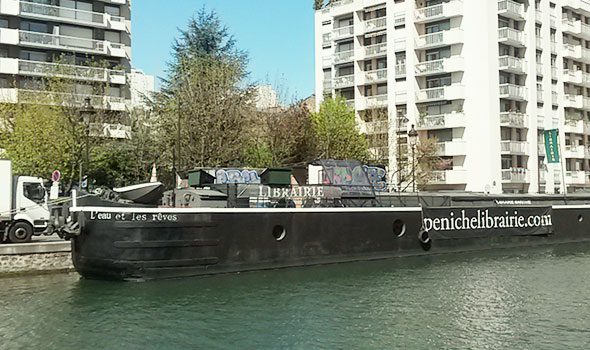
517	300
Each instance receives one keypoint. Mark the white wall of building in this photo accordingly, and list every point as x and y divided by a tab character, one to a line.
491	113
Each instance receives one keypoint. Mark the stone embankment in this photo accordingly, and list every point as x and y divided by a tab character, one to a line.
35	258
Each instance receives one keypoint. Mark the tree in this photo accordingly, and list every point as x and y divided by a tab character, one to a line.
205	105
206	112
426	162
318	4
336	134
280	137
44	131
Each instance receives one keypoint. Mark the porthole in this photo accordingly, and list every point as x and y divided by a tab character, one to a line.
399	228
425	241
580	218
279	233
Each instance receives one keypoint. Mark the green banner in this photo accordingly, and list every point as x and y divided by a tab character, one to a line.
552	145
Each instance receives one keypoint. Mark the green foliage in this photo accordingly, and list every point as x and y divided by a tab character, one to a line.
205	113
318	4
280	137
206	105
36	143
336	134
258	155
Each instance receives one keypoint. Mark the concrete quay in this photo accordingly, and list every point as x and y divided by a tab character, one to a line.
38	257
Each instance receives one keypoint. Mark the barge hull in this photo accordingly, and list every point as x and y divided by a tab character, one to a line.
143	244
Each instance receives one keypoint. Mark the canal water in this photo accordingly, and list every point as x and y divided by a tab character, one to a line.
537	299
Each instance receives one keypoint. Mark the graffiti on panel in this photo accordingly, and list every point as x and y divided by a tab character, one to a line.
377	177
337	175
236	176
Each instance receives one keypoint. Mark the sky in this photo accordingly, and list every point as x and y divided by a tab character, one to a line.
277	34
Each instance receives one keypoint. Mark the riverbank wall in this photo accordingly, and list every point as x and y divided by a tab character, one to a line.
35	258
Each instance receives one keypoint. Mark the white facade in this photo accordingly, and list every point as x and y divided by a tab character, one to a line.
266	97
484	78
36	34
142	86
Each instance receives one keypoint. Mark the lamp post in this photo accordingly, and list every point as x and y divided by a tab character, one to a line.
413	137
86	113
399	119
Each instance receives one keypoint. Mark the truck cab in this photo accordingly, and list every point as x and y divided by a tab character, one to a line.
23	206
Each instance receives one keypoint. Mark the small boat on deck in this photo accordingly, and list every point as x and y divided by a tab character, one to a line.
146	193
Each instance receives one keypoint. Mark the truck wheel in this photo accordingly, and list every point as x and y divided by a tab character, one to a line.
21	232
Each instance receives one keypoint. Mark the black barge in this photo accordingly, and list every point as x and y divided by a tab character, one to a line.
132	242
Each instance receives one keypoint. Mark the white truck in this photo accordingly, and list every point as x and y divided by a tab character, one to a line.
23	206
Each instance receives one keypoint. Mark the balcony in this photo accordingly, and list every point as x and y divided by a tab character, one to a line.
511	9
445	65
70	100
515	175
400	70
343	56
554	98
376	101
343	32
443	93
574	151
448	177
69	43
553	73
75	16
442	121
576	52
111	131
554	47
510	36
439	39
573	101
576	27
376	50
513	120
452	148
577	177
375	24
376	76
513	147
34	68
577	77
511	91
574	126
328	85
577	5
377	127
336	3
449	9
539	69
343	81
512	64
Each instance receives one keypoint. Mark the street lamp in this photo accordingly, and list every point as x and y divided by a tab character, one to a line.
401	119
86	113
413	138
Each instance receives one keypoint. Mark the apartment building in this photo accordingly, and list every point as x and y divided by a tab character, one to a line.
90	39
483	78
142	87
